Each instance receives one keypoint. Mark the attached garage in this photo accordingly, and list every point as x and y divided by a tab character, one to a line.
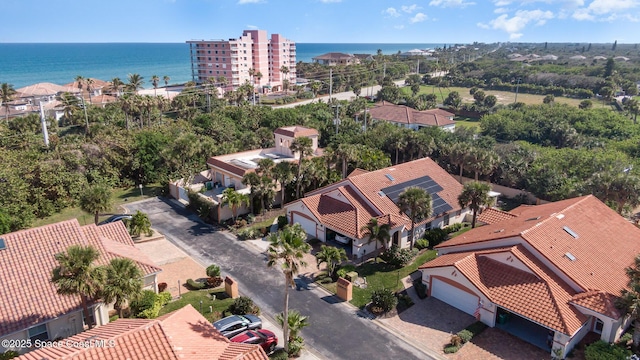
308	225
454	296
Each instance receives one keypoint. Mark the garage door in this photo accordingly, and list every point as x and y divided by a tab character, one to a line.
453	296
308	225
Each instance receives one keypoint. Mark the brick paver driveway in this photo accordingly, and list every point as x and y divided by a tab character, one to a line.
495	344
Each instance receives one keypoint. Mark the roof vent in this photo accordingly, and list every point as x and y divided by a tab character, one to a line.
3	245
533	218
570	256
499	231
560	216
390	177
381	193
570	232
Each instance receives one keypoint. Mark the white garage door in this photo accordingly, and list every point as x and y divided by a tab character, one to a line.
308	225
453	296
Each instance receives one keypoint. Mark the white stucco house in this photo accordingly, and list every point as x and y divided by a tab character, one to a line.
338	212
404	116
548	274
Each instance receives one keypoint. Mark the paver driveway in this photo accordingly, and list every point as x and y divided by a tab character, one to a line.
336	332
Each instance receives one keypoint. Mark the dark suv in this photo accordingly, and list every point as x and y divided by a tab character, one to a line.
236	324
117	217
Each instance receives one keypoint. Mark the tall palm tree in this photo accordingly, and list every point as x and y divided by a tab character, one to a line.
332	256
302	146
69	106
89	82
377	232
629	302
166	79
135	82
296	322
6	95
283	173
80	83
235	200
417	204
346	153
116	84
123	283
259	76
459	155
285	71
474	195
77	275
96	199
155	80
287	248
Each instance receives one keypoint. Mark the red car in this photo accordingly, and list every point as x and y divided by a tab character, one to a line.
262	337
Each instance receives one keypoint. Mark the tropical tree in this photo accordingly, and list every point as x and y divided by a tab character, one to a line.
116	84
333	257
417	204
629	302
69	106
155	80
315	87
287	248
475	194
123	283
6	95
135	82
296	322
283	174
80	83
459	155
89	82
377	233
285	71
96	199
302	146
77	275
235	200
140	223
166	79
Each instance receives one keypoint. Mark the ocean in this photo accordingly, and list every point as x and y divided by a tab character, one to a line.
26	64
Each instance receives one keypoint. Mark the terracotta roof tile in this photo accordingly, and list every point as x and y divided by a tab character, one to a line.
492	216
405	115
182	334
296	131
599	302
28	297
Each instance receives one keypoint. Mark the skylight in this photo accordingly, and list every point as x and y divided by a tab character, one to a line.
390	177
3	245
570	256
570	232
381	193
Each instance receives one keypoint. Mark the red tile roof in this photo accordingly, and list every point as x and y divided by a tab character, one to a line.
182	334
492	216
599	302
362	189
296	131
28	297
606	243
406	115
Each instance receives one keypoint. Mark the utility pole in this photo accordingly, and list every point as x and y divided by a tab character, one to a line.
330	83
418	67
43	121
86	118
337	120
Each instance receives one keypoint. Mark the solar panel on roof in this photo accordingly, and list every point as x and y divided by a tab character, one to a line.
426	183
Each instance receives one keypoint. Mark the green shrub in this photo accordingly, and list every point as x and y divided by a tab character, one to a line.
195	285
453	228
243	305
625	338
397	257
601	350
465	335
149	304
384	299
344	270
405	299
421	289
282	221
251	218
455	341
436	236
164	297
422	244
249	234
9	354
279	354
476	328
295	346
450	349
111	319
213	270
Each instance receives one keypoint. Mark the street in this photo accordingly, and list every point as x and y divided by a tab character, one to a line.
336	331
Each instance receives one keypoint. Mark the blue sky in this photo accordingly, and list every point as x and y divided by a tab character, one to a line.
355	21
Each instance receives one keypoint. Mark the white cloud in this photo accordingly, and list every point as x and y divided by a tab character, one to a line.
501	3
410	8
515	36
598	9
330	1
501	10
451	3
399	27
391	12
419	17
252	27
514	25
242	2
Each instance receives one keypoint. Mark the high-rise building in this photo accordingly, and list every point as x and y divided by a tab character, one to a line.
252	57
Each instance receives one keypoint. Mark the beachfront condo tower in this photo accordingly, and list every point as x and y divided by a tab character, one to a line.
252	57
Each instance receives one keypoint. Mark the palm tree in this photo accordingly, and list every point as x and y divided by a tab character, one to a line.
140	223
302	146
135	82
252	179
76	275
89	82
459	155
416	203
6	95
315	87
332	256
629	302
283	173
166	79
296	322
377	232
346	153
116	84
288	247
284	70
155	80
80	83
235	200
69	106
96	199
474	195
123	283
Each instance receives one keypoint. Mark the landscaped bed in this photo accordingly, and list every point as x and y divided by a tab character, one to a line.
219	305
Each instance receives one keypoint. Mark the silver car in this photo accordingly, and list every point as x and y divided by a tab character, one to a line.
236	324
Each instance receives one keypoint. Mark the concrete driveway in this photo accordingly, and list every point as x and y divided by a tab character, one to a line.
336	331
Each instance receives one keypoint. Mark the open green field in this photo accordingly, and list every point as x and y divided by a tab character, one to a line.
468	122
504	97
118	198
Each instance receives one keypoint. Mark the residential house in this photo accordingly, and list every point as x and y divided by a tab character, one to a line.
227	171
30	307
339	212
94	94
410	118
549	273
416	52
181	334
335	58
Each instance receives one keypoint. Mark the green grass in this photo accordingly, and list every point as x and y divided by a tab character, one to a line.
118	198
220	305
460	232
380	276
468	122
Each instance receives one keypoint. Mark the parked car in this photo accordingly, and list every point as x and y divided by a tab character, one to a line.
117	217
236	324
342	239
265	338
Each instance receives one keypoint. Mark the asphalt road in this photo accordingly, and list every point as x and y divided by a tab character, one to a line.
336	330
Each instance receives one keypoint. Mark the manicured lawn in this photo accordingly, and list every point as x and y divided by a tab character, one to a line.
219	305
468	122
119	197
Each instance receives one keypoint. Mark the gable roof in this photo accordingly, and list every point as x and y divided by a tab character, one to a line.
182	334
492	216
537	294
296	131
406	115
28	297
334	56
601	234
40	89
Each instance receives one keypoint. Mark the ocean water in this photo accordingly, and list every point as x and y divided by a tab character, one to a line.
26	64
